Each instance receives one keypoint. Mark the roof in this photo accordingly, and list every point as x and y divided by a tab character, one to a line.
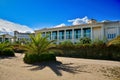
82	25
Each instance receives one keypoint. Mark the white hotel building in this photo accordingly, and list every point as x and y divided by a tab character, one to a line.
92	29
18	36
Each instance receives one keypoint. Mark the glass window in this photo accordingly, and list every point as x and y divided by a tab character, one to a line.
69	34
87	32
61	35
54	35
0	39
77	33
49	35
111	36
43	34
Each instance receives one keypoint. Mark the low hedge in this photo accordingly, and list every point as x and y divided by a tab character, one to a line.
35	58
91	51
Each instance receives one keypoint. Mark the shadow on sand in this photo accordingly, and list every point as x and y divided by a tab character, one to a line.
7	57
57	67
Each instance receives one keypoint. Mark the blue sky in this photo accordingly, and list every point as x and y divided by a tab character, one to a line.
46	13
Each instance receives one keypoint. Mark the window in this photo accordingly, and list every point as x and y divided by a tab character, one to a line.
43	34
69	34
111	36
49	35
0	39
87	32
77	33
61	35
54	35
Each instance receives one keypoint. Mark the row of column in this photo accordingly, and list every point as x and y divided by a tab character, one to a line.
82	35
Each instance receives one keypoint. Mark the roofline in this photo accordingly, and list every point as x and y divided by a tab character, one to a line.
77	25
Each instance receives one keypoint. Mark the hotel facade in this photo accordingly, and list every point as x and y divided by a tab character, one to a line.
92	29
18	36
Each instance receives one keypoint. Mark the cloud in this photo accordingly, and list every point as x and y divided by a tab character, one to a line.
8	27
60	25
79	21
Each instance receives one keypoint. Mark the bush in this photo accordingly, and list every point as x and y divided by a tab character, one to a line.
18	48
35	58
30	58
97	50
85	40
8	52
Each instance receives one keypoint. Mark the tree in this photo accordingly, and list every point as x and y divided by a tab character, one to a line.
39	45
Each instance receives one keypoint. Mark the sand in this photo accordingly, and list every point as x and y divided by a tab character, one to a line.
64	69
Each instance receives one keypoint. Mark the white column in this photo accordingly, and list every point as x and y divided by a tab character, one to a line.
51	35
91	33
64	34
82	33
57	37
73	35
118	31
45	33
103	35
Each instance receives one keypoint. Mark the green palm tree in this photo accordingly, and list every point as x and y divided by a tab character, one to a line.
39	44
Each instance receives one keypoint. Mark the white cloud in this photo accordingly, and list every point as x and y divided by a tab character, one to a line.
60	25
8	27
78	21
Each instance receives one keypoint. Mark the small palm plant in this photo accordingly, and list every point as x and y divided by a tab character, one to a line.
38	48
39	44
6	49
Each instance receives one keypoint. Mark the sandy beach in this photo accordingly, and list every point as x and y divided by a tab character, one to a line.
64	69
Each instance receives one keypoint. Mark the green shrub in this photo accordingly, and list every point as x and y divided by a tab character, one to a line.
8	52
35	58
97	50
31	58
85	40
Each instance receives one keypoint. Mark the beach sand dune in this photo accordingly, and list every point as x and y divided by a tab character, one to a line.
64	69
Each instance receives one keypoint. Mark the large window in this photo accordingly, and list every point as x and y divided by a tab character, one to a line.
68	34
49	35
77	33
87	32
43	34
111	32
111	36
0	39
61	35
54	35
